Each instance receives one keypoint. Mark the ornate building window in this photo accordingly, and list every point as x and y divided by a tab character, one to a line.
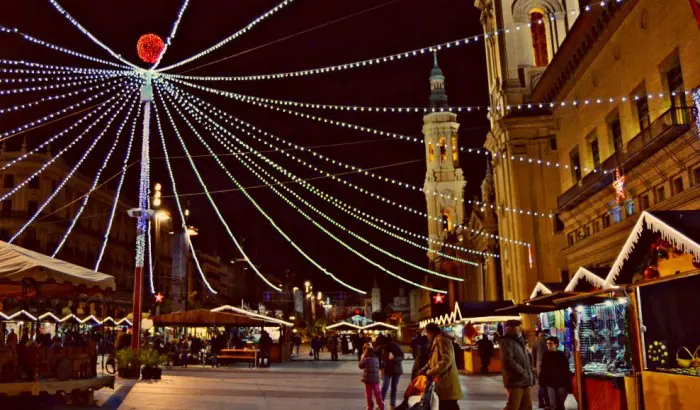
455	149
538	33
431	151
446	223
443	150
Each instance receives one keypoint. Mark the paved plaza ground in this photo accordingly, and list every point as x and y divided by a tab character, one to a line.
301	384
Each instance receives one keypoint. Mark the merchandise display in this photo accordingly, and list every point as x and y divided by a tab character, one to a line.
603	340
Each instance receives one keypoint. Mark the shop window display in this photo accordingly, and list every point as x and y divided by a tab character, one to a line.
604	343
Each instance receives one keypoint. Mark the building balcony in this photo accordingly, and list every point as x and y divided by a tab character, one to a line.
665	129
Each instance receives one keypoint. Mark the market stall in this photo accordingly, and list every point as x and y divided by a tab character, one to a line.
227	317
661	259
33	287
468	323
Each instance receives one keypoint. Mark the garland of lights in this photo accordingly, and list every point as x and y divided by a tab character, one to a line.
211	200
53	73
170	38
70	174
371	174
54	47
82	29
144	186
227	39
55	157
53	86
394	57
179	206
115	204
95	181
56	136
220	114
270	220
51	116
478	151
69	69
231	149
19	107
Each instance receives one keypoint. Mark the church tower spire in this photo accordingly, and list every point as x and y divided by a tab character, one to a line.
444	179
438	96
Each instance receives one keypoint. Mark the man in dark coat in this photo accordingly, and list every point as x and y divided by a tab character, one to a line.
485	347
391	356
518	376
333	347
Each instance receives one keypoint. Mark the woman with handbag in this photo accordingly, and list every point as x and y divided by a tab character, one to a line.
442	368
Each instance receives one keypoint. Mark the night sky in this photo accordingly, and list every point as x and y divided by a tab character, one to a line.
402	25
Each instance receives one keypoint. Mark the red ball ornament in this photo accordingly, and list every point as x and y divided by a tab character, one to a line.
149	47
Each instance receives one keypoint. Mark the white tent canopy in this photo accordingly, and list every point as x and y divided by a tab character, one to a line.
17	263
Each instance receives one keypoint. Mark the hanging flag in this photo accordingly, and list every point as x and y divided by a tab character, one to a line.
695	6
529	255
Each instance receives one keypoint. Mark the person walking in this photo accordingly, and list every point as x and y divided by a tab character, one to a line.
518	376
297	342
360	345
554	374
421	355
265	348
538	350
370	377
390	362
333	347
316	347
441	366
485	347
344	346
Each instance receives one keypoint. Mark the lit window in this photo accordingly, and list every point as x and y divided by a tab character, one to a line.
539	38
443	150
431	150
629	207
454	149
616	214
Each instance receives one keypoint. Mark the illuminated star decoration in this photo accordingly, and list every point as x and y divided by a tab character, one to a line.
439	298
619	185
159	297
150	47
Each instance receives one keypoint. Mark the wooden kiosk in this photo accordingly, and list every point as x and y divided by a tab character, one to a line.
469	321
661	260
33	287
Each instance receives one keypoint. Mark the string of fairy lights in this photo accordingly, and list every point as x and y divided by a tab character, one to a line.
115	85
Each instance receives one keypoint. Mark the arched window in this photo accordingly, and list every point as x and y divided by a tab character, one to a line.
454	149
431	151
443	150
539	38
446	220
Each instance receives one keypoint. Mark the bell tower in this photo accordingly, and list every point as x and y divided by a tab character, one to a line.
444	179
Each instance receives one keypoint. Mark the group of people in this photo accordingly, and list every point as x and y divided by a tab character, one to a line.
383	363
547	365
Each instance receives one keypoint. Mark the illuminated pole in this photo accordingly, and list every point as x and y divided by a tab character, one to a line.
142	213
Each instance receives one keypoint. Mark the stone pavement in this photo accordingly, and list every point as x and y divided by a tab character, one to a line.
300	384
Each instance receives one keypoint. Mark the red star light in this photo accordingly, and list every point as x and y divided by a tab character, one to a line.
159	297
439	298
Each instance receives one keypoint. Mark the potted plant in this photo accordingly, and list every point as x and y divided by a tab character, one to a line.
151	360
127	363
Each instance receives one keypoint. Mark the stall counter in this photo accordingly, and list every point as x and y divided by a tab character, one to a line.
670	391
604	392
472	361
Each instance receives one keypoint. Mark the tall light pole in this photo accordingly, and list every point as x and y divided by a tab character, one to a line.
143	212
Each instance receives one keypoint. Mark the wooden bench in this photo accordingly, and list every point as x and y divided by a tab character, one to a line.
248	355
